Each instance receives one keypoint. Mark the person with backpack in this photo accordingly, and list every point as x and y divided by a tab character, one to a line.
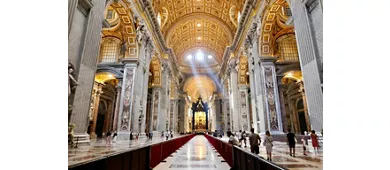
268	145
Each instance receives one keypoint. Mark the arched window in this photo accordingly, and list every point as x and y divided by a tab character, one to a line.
109	51
287	47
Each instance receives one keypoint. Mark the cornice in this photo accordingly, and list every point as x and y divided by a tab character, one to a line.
246	11
150	15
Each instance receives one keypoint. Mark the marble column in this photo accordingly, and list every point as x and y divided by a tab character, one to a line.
84	43
234	103
309	60
274	118
181	112
156	109
162	122
126	101
138	120
262	119
144	92
283	112
97	92
252	84
244	116
218	113
307	118
117	104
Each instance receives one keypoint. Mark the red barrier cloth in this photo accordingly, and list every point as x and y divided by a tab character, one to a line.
160	151
223	148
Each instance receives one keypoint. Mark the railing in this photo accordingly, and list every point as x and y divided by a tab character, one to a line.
144	158
240	159
244	159
162	150
223	148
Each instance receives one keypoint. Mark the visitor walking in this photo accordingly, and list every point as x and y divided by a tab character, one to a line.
108	137
239	136
131	135
314	140
254	141
232	139
243	137
291	142
151	135
167	135
304	145
268	145
114	137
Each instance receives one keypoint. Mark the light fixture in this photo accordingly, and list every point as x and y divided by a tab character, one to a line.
209	56
199	25
189	57
289	74
199	38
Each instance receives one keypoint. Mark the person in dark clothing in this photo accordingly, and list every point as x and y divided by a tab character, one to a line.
254	141
131	135
291	142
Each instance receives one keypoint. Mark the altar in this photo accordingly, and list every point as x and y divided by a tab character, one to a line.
200	116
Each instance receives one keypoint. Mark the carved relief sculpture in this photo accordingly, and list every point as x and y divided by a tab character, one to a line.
155	110
271	99
127	99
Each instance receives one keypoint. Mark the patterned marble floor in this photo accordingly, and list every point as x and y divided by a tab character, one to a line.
195	154
99	148
281	156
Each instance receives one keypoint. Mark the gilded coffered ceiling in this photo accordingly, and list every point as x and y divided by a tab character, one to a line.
191	24
199	33
200	86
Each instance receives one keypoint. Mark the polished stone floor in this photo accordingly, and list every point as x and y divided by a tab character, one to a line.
281	156
98	149
197	153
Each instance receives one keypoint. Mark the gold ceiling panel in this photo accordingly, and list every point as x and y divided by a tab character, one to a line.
217	20
243	70
125	29
199	33
272	25
200	86
155	68
180	8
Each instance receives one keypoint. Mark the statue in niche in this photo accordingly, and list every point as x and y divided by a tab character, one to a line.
140	31
72	82
269	81
271	99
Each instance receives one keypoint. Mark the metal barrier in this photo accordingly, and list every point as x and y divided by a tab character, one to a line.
240	159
